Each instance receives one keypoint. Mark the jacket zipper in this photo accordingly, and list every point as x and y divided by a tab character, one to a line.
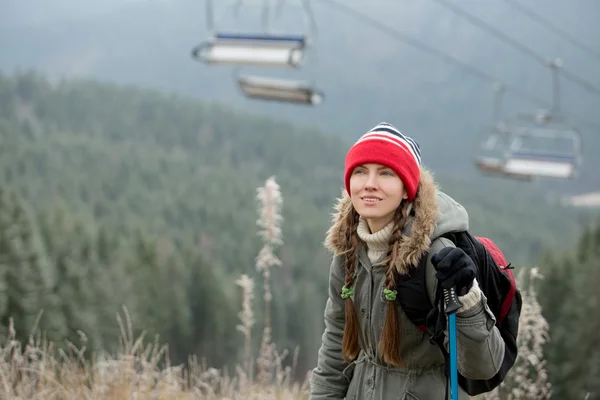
371	332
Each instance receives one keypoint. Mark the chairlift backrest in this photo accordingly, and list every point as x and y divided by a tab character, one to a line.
263	39
548	142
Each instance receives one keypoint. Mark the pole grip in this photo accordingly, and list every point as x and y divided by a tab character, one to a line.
451	301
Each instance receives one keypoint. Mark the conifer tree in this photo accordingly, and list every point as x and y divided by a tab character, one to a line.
25	278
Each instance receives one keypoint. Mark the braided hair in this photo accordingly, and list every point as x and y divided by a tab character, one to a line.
389	344
390	339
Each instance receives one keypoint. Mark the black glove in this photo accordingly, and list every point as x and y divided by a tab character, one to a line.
454	269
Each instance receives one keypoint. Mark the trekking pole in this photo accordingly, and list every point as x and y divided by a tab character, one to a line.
452	306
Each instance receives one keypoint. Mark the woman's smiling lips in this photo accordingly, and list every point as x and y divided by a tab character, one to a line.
370	200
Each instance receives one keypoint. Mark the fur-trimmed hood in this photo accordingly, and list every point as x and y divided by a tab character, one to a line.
433	214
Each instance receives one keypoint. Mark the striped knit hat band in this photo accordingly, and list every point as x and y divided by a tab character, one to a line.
385	145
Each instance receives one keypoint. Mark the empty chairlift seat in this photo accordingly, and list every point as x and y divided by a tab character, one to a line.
283	90
266	50
542	165
496	167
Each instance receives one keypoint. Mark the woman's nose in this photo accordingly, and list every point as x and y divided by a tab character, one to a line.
371	181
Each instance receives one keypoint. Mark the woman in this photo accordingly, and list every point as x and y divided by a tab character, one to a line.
390	216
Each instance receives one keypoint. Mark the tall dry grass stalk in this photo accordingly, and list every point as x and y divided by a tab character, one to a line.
528	378
247	319
269	222
39	370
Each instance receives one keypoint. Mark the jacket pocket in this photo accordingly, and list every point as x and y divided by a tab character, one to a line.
355	374
409	396
348	372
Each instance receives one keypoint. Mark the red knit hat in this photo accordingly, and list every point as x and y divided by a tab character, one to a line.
385	145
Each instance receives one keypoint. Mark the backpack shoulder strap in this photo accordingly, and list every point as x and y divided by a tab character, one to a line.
430	280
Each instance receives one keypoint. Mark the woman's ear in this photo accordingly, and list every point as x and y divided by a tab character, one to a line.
405	194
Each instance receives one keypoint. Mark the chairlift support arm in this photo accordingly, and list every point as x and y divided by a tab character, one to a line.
210	18
499	92
554	66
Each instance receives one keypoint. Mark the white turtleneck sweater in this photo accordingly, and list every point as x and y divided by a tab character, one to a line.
377	247
378	242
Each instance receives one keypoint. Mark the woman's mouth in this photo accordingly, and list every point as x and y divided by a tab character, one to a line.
371	200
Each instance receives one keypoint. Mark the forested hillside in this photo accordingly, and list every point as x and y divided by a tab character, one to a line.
116	195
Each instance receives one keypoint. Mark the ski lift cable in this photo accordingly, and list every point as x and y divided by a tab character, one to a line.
265	16
396	34
553	28
210	22
266	9
497	110
515	44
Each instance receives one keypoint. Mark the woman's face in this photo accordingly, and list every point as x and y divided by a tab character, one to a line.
376	192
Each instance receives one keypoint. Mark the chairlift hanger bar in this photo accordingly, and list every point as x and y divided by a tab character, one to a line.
265	14
395	34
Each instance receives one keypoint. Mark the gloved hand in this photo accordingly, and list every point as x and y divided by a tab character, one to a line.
454	269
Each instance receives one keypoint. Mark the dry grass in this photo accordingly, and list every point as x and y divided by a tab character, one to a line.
38	370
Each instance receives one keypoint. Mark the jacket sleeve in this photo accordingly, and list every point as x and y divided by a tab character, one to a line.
480	346
327	379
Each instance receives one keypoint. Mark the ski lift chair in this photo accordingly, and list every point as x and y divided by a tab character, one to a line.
544	147
263	50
